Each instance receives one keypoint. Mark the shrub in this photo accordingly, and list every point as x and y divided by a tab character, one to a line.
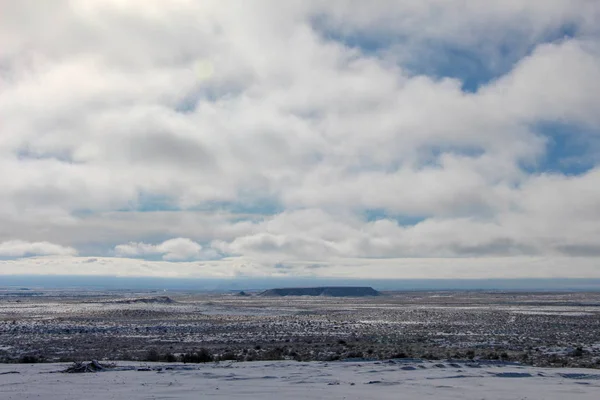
354	354
228	356
578	352
430	356
152	356
29	359
273	354
201	356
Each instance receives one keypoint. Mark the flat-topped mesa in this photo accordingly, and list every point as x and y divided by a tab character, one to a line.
148	300
328	291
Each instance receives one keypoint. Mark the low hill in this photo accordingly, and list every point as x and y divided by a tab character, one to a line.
328	291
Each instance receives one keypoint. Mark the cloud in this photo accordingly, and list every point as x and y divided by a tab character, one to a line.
324	130
173	249
19	248
385	268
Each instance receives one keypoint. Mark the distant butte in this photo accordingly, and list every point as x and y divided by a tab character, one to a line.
148	300
328	291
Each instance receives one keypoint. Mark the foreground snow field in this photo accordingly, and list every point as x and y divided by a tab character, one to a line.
404	379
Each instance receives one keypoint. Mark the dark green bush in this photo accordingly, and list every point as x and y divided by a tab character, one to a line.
29	359
152	356
200	356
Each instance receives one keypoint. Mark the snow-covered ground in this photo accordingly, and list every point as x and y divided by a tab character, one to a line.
404	379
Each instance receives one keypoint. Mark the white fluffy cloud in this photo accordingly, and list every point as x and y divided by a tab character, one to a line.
173	249
300	130
20	248
381	268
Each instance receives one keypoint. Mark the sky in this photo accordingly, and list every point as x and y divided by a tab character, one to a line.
334	138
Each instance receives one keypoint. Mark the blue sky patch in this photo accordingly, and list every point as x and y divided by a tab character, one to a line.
149	202
474	66
249	206
570	149
376	214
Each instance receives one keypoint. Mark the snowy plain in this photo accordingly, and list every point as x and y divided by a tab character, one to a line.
395	379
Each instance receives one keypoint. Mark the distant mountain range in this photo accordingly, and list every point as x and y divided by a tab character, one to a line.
256	284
